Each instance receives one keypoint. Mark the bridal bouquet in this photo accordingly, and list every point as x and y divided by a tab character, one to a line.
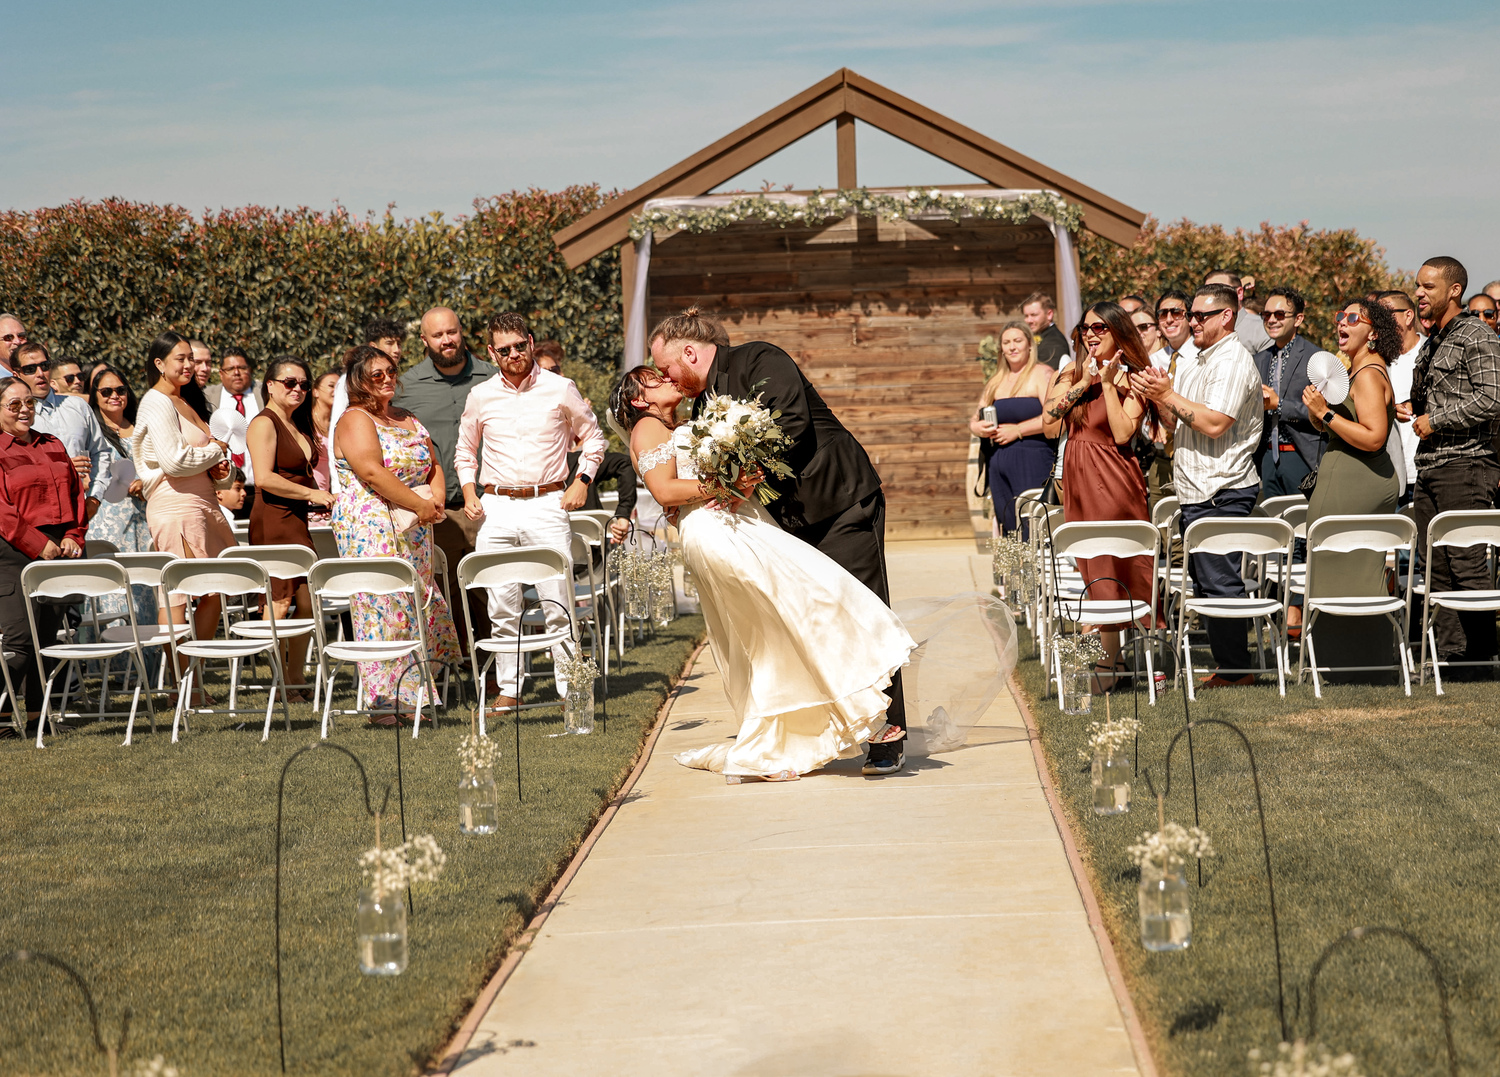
731	436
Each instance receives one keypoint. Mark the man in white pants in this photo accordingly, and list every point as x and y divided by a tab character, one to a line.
527	419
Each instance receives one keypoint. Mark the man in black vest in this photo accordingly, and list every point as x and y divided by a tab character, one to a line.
833	498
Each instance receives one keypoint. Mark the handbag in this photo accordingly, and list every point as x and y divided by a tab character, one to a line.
1309	481
404	520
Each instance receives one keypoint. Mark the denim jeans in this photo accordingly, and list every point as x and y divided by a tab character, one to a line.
1218	576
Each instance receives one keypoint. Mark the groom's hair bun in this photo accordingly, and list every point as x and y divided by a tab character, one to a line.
691	325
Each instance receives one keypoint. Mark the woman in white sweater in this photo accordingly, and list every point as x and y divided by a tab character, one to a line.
179	463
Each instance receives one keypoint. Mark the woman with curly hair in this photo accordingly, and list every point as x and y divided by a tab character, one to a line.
1358	475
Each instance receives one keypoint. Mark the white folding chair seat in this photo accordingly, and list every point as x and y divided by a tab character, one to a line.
518	566
1454	530
345	577
1112	538
1329	537
223	577
1227	536
1275	506
93	580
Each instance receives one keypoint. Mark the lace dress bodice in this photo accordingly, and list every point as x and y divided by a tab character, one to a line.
675	446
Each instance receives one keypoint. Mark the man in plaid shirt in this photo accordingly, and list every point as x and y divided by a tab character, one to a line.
1455	404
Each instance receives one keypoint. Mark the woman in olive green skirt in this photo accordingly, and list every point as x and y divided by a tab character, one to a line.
1357	477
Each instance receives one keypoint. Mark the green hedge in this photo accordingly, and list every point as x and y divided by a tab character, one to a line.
1327	266
98	280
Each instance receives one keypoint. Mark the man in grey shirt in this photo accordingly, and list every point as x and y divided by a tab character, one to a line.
435	391
1248	325
67	418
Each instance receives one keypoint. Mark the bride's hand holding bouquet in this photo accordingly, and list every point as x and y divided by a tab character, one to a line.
735	445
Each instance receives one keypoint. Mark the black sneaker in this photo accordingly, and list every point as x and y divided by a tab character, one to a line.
884	762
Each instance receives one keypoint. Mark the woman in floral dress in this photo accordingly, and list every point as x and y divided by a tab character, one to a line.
386	462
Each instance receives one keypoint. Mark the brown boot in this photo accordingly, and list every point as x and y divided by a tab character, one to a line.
503	703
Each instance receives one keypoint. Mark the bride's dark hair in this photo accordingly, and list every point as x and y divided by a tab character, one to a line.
630	388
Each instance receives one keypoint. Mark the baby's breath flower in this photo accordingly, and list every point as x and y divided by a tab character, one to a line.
1081	651
1296	1060
157	1067
580	671
419	860
1109	737
1170	847
477	752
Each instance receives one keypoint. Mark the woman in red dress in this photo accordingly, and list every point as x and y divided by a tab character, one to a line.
1101	479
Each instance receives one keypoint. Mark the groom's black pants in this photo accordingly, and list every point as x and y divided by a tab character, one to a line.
855	538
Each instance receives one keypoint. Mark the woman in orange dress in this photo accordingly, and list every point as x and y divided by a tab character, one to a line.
1101	478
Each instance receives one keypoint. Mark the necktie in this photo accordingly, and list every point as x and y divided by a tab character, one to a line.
238	458
1275	425
1172	427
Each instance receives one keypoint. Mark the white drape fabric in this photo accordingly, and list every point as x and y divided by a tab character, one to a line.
1070	300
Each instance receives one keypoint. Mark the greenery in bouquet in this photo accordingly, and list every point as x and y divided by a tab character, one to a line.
730	437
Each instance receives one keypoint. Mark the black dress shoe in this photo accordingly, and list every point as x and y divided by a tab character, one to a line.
884	759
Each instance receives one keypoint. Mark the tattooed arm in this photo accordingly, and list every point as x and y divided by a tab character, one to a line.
1157	387
1065	393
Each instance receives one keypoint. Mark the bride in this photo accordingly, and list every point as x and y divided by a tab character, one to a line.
805	649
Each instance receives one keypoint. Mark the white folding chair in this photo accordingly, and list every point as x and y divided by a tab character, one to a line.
1455	530
1228	536
1329	537
288	562
590	544
92	580
523	566
1106	538
144	570
345	577
1275	506
224	576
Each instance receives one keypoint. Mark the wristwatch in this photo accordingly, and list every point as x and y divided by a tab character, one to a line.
1328	418
585	479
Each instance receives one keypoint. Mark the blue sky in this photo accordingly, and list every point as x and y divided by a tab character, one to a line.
1377	115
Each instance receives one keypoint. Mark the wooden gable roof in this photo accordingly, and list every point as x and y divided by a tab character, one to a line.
843	97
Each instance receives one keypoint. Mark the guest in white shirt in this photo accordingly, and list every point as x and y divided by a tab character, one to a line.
236	390
1405	312
1215	400
527	419
1248	325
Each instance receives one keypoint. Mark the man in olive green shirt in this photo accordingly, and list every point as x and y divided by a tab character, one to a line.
435	391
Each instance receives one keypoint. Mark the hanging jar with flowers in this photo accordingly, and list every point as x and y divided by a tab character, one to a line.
1163	894
478	802
1108	756
380	917
1076	658
580	671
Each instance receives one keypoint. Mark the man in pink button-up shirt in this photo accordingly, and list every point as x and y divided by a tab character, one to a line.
526	419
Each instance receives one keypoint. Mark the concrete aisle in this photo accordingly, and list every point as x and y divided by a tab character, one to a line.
920	924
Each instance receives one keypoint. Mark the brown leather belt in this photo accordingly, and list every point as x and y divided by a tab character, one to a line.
524	491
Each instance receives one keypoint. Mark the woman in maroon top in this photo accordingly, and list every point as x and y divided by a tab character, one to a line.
42	517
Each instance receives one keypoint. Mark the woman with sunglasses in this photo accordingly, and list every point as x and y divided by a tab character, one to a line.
121	519
386	461
42	518
1102	480
284	454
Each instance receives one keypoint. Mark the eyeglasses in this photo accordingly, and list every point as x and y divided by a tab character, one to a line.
1204	315
1171	312
385	373
1097	329
13	338
30	368
114	390
1145	325
517	350
69	379
1352	317
21	407
294	384
228	369
1278	314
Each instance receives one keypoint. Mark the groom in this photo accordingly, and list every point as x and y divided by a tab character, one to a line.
833	499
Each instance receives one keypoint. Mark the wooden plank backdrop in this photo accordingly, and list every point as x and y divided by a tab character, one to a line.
885	318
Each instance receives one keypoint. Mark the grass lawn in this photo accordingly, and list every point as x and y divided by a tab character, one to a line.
151	869
1381	810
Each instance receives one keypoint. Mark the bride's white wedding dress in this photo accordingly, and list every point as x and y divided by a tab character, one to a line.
806	650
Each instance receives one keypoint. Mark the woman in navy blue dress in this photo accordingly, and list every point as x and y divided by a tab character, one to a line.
1020	456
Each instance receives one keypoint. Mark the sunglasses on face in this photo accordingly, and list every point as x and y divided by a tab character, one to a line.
518	350
69	379
1142	326
293	385
112	391
1350	317
1097	329
21	407
14	338
1277	314
1171	312
1204	315
383	374
30	368
1487	315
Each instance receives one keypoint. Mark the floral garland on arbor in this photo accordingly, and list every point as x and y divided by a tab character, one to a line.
820	206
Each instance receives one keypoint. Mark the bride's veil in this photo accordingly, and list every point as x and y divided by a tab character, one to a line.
966	651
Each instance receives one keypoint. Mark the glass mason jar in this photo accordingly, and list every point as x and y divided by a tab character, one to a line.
1028	583
663	608
380	928
637	597
997	567
1110	776
1015	589
1166	919
478	804
1077	691
578	707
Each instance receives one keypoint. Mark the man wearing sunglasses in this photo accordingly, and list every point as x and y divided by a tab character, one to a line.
67	418
436	391
512	459
1291	448
1176	344
1214	408
1455	396
12	336
67	378
1248	325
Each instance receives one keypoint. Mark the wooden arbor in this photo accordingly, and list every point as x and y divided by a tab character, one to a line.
884	317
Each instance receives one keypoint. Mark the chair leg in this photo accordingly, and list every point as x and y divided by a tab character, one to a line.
41	723
478	686
1280	656
1150	669
327	696
1401	652
1312	654
1437	675
1187	663
184	693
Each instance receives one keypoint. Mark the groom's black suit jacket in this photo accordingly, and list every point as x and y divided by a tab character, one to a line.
830	469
